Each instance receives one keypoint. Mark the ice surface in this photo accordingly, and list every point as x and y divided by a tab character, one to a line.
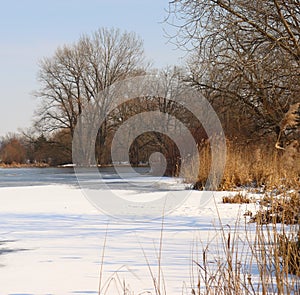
56	239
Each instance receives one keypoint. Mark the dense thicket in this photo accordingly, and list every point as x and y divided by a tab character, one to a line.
245	56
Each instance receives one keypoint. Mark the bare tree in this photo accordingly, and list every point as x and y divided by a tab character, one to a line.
164	122
76	73
245	56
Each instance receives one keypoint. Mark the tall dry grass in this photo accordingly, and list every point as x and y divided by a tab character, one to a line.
244	259
248	260
261	269
251	165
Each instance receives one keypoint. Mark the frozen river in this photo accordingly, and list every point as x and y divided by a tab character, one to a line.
12	177
52	238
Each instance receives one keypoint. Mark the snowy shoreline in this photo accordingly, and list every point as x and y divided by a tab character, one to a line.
62	235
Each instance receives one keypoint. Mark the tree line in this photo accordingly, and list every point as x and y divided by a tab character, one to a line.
244	57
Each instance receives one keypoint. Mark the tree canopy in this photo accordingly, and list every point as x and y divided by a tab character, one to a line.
244	55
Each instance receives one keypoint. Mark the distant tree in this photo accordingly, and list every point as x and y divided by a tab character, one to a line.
51	149
76	73
41	151
166	101
12	150
61	147
54	150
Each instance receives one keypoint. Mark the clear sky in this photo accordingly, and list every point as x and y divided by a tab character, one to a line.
33	29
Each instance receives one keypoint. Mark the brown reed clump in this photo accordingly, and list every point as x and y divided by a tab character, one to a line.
237	199
253	165
264	261
283	209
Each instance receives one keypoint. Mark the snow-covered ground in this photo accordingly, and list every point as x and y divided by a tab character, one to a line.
53	242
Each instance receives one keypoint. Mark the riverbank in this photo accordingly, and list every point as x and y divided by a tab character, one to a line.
19	165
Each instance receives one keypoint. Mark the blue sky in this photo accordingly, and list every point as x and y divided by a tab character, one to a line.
33	29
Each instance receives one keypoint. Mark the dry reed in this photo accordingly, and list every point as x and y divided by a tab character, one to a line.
251	166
